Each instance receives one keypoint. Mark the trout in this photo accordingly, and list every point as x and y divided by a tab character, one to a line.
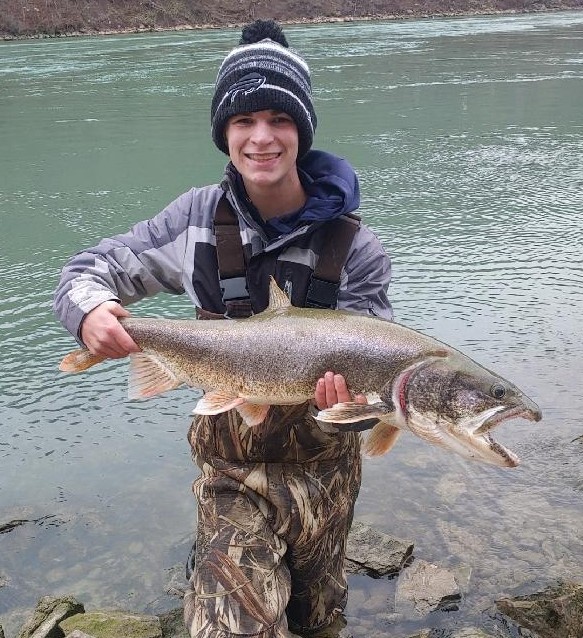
413	382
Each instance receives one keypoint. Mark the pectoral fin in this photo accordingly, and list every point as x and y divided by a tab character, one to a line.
149	376
381	439
351	412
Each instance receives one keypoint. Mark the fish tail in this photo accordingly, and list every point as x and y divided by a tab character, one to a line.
80	360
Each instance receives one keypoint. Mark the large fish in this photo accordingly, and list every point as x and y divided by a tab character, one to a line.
412	381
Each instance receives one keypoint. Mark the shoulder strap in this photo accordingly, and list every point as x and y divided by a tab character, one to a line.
325	280
231	262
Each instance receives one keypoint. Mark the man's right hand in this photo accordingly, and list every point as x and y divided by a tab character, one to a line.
103	334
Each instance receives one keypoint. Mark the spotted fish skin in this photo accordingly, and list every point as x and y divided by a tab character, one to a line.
413	381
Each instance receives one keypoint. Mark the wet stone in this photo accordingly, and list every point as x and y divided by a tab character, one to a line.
172	624
49	612
556	612
114	624
467	632
374	553
423	588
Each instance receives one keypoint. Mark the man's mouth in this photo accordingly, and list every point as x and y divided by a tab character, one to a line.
262	157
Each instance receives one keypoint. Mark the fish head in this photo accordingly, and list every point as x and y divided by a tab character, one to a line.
455	403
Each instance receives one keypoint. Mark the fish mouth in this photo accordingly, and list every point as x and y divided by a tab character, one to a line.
472	437
518	412
487	448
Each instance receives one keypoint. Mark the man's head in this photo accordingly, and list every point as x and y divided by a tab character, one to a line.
262	73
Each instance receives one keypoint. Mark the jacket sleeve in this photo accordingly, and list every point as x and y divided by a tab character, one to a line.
366	276
125	268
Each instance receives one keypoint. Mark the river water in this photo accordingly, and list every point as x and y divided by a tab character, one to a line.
467	135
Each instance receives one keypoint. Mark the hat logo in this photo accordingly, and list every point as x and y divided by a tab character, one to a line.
247	84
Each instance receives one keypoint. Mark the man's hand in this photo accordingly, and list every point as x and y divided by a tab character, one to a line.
332	389
103	334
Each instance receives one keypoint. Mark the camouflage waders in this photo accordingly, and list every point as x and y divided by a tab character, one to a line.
275	503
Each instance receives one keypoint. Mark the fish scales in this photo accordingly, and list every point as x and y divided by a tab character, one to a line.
414	382
260	357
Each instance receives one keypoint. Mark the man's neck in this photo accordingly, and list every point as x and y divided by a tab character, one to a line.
277	201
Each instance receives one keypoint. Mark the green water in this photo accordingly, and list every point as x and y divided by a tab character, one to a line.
467	135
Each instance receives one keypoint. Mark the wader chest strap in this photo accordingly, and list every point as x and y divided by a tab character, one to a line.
325	280
231	262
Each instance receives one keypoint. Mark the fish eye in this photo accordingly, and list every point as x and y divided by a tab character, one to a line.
498	391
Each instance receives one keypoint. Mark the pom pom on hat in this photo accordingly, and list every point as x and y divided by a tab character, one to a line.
263	73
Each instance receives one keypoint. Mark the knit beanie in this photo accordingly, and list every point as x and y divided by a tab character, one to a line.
262	73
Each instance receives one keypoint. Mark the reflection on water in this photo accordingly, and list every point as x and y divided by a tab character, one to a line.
468	139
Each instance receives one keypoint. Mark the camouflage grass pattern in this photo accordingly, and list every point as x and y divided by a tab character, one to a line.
275	503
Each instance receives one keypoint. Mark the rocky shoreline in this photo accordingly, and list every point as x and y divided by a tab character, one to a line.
27	19
421	590
299	21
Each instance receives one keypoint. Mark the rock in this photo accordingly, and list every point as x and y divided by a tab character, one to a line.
177	584
467	632
375	553
49	612
78	634
114	624
426	588
172	624
1	632
556	612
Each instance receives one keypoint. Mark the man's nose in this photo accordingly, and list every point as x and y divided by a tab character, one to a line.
262	133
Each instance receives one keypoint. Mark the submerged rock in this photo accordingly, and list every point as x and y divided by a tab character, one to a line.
467	632
114	624
556	612
423	588
374	553
49	612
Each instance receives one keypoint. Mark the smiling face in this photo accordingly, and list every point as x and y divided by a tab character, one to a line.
263	147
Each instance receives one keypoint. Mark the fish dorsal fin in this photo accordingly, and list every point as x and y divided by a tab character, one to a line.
278	300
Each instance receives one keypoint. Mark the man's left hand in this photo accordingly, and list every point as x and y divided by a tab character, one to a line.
332	389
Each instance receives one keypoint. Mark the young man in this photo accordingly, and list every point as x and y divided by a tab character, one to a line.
275	502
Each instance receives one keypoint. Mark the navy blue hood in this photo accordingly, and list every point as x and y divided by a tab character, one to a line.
331	186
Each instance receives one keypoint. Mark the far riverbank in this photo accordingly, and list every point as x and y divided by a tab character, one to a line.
25	19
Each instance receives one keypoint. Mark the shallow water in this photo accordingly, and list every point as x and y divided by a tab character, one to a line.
467	135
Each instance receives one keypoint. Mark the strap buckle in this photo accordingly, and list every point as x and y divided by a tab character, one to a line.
234	288
322	293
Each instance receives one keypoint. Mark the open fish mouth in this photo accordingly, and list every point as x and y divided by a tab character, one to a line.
518	412
491	450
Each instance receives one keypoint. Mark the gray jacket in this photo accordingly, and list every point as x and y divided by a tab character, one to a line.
175	252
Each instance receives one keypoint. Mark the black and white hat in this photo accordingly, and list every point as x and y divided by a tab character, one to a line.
263	73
